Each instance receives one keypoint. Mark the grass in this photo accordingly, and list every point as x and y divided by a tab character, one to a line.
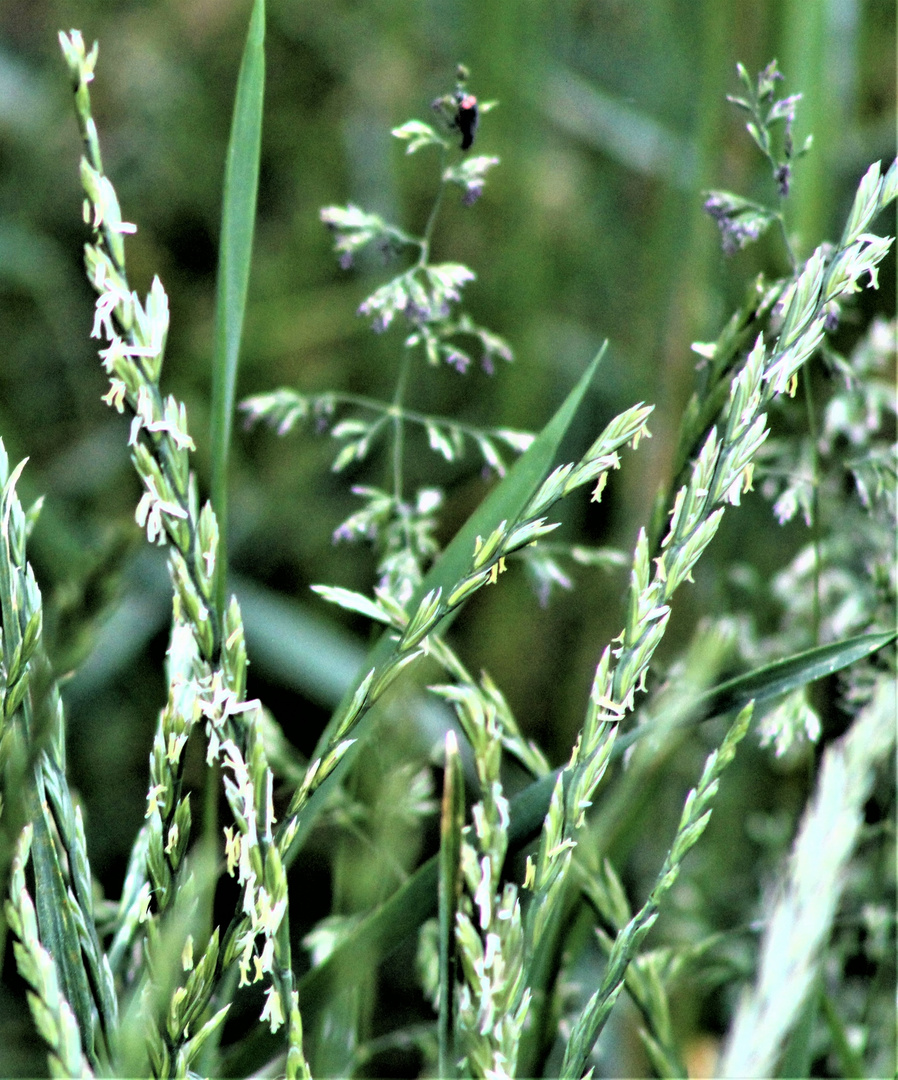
509	887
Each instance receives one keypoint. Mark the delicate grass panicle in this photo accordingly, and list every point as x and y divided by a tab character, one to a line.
523	875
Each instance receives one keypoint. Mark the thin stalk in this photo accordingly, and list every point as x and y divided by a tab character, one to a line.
409	416
449	893
790	251
396	415
434	212
815	499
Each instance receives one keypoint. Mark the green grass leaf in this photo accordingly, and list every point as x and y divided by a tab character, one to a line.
508	499
773	681
238	218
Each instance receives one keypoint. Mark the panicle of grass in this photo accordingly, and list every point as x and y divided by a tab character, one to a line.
166	1021
20	600
481	1018
693	821
721	472
282	409
20	628
613	690
646	975
69	841
720	360
742	221
423	299
806	898
650	976
207	656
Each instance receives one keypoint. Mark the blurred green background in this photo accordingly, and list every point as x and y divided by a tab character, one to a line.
612	120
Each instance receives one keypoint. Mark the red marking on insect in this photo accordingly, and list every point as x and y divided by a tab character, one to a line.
466	118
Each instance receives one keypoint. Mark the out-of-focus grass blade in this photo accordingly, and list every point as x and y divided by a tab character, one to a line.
298	646
850	1061
238	218
394	921
798	1055
626	133
451	821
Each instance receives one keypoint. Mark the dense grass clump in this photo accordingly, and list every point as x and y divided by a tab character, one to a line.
421	884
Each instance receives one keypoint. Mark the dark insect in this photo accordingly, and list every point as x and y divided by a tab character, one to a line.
466	118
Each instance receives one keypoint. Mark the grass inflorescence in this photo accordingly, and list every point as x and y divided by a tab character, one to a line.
522	874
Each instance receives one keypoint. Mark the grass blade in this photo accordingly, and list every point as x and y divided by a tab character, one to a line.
452	820
238	218
507	501
783	676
